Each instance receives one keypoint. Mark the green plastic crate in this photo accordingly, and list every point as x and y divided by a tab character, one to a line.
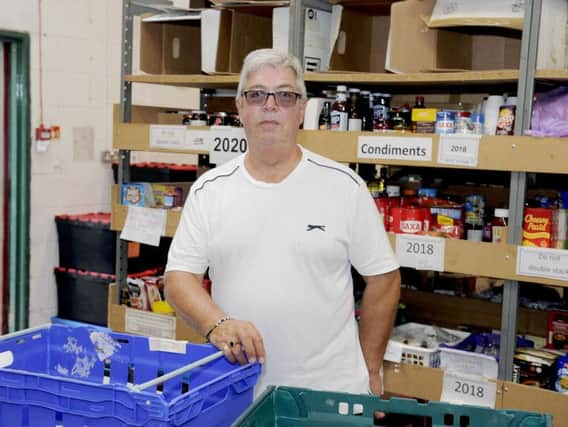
297	407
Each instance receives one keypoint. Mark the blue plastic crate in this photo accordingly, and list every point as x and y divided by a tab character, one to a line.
296	407
80	376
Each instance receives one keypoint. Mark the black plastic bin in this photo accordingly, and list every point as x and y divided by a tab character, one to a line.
82	295
86	242
158	172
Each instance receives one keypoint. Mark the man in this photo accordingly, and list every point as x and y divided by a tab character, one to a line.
278	229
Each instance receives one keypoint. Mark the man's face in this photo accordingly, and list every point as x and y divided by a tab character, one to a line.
269	122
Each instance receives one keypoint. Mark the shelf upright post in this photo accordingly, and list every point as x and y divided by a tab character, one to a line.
525	90
121	258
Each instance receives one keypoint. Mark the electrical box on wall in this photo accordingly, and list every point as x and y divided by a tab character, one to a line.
45	134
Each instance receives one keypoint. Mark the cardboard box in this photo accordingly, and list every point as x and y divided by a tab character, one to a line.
316	35
359	41
124	319
414	47
213	41
170	46
189	4
227	36
503	13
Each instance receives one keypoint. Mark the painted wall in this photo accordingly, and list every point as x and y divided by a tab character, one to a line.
81	81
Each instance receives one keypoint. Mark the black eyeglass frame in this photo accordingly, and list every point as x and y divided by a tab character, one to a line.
274	95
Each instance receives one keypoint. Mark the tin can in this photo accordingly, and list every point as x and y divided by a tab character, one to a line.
463	122
445	122
412	220
218	119
474	207
198	118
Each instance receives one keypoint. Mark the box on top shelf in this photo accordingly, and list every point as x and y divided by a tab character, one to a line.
227	36
78	376
414	47
170	46
316	35
212	41
358	41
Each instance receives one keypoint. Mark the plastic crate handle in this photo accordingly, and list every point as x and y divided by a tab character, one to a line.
175	373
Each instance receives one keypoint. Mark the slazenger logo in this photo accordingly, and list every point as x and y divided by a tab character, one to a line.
411	226
311	227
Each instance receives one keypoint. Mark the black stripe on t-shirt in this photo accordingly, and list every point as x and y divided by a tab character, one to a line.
216	178
335	169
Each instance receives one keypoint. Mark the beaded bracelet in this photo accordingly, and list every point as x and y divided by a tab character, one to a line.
216	325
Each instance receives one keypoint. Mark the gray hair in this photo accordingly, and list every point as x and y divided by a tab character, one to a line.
274	58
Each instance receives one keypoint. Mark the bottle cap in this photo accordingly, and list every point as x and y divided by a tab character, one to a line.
502	213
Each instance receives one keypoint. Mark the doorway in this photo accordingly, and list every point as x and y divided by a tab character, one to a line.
14	179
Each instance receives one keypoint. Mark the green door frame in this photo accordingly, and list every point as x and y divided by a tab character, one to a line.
19	174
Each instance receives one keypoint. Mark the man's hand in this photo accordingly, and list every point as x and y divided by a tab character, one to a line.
375	384
239	340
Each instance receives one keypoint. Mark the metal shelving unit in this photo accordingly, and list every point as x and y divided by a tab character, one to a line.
341	146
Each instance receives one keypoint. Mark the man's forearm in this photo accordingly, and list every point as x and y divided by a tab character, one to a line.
378	311
185	293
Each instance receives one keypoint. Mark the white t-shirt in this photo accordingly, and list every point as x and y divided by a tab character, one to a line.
279	255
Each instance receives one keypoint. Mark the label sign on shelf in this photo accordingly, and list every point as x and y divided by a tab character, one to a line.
461	150
151	324
393	352
420	252
144	225
168	137
468	390
197	139
394	148
226	143
542	262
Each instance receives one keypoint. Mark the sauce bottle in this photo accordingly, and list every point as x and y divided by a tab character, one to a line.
340	110
499	226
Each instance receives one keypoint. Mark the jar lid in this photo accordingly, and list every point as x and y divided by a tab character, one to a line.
502	213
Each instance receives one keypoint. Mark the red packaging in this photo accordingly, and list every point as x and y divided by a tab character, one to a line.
412	220
538	227
557	330
383	207
393	223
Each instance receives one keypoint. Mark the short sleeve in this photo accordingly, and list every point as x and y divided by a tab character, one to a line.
189	249
370	251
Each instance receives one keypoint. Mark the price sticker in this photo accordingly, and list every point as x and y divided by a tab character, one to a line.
462	150
393	352
167	136
420	252
542	262
468	390
226	143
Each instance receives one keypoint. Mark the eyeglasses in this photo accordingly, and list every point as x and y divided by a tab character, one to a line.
282	98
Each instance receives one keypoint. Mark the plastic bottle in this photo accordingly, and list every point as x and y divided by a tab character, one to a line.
339	110
324	118
355	111
499	226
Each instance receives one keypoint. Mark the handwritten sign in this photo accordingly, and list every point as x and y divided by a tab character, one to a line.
144	225
167	136
462	150
542	262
